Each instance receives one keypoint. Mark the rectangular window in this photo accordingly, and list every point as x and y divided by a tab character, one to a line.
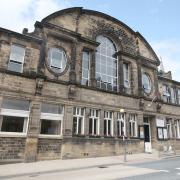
50	127
108	123
56	58
178	94
78	120
177	129
14	116
133	125
94	122
121	124
169	128
85	68
51	119
173	96
16	58
126	74
166	94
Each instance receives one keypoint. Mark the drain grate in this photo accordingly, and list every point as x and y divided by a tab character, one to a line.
101	167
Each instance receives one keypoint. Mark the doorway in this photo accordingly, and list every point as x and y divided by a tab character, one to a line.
147	135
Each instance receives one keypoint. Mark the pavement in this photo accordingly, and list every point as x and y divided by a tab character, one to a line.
89	168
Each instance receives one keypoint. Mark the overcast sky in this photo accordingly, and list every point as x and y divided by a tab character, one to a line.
157	20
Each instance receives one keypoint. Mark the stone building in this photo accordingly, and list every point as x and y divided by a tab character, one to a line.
78	84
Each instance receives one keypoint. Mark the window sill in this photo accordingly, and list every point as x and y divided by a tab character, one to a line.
134	138
11	134
109	137
79	135
94	136
121	137
44	136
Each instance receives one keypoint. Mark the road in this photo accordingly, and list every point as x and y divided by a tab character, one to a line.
107	168
169	169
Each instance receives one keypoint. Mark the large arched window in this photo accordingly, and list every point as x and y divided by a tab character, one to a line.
106	64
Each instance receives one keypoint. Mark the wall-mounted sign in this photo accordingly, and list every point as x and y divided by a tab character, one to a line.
160	123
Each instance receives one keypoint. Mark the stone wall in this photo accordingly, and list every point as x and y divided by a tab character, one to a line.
49	149
12	148
95	147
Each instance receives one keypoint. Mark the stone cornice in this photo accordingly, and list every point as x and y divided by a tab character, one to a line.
67	32
144	61
19	35
168	80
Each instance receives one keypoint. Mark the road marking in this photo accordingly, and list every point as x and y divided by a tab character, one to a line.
177	168
164	171
178	174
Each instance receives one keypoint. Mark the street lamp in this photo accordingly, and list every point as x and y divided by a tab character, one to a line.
124	138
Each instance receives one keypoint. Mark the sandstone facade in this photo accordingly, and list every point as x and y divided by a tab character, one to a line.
75	31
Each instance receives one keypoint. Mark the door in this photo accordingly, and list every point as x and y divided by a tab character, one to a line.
147	138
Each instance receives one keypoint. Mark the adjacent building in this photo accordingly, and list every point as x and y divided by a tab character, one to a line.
78	86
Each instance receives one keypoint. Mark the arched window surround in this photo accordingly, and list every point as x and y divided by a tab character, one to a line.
107	65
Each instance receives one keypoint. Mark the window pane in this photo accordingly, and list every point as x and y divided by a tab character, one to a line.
57	60
82	111
106	64
50	127
74	125
13	66
85	68
51	108
90	126
17	53
95	126
84	82
15	104
85	74
118	128
146	83
80	126
105	128
109	127
56	63
12	124
98	67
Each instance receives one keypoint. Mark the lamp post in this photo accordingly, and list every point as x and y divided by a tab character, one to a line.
124	138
